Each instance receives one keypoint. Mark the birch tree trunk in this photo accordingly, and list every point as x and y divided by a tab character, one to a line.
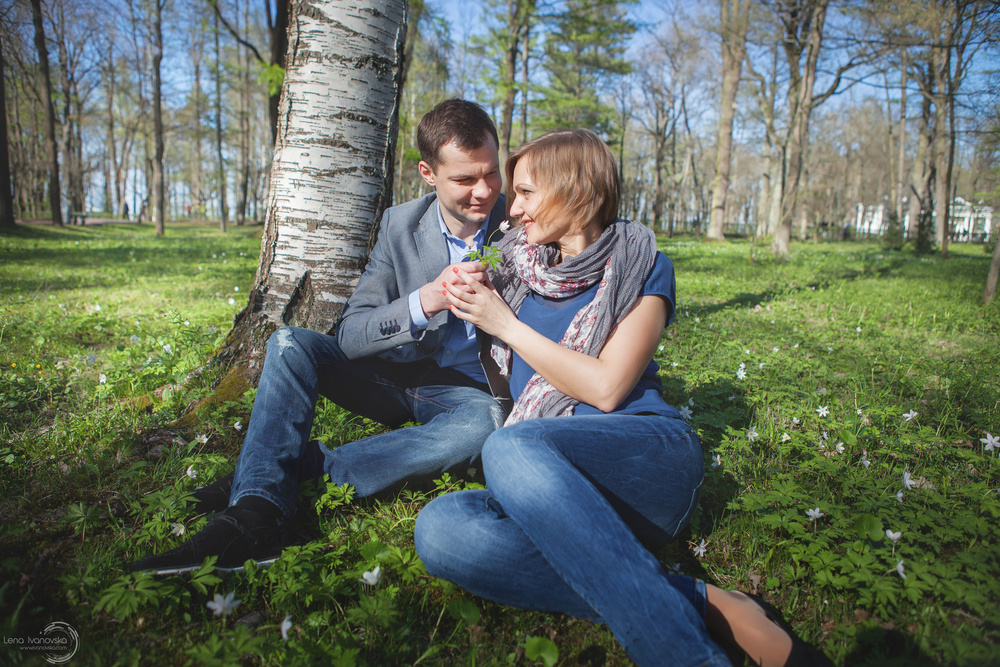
331	175
735	18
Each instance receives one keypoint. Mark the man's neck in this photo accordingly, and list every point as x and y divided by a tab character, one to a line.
465	231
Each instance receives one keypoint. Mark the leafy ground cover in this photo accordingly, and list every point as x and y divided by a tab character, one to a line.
847	402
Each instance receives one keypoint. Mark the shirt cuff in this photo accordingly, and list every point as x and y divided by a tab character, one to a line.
418	320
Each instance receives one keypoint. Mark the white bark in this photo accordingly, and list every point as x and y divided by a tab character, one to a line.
331	175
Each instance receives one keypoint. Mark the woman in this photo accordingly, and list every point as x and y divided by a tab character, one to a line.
569	499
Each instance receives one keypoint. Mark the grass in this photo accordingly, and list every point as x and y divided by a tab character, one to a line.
836	346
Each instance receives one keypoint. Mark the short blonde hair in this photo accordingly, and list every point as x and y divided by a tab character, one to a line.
575	172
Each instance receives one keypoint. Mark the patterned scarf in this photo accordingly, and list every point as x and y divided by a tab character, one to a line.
621	260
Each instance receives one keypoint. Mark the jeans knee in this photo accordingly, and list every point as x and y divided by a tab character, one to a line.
431	536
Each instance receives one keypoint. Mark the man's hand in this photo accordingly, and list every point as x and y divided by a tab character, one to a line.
431	298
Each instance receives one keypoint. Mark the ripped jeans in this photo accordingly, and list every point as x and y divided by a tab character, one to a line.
302	365
559	527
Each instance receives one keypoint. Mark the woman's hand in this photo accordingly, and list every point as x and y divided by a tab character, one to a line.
478	302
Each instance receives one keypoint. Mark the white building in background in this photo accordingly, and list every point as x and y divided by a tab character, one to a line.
969	222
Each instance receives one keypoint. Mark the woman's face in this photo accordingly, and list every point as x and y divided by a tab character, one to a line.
527	200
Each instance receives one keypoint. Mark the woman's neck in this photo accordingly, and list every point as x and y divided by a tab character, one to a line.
572	244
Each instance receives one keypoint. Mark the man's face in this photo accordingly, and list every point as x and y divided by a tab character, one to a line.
467	183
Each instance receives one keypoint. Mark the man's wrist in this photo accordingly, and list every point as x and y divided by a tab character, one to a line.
418	318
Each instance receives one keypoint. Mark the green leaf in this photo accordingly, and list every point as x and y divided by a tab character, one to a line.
465	610
868	525
540	648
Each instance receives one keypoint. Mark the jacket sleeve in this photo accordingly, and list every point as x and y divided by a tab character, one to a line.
376	319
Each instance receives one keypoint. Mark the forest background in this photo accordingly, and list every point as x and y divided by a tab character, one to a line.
845	393
738	116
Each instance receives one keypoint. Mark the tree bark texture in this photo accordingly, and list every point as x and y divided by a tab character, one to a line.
733	25
159	186
331	175
55	195
6	193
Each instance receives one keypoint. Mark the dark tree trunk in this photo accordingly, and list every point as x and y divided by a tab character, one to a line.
55	196
6	193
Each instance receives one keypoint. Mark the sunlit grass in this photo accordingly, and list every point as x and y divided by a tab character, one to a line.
836	345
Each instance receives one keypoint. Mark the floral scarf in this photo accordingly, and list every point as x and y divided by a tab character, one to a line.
621	260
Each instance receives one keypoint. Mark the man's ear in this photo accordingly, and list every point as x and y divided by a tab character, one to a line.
426	171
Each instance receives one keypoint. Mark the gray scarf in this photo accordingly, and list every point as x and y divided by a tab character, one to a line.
621	260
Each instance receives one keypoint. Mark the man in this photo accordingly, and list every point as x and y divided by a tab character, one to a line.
399	356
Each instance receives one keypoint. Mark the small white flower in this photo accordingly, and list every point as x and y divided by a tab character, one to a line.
860	413
699	551
858	329
505	226
187	323
373	577
826	436
191	472
97	307
785	437
899	495
774	349
660	348
893	536
760	365
223	606
167	348
133	339
752	434
829	349
685	413
990	442
691	402
238	425
697	319
286	625
864	459
177	529
103	379
746	351
795	421
202	438
900	569
814	514
908	416
741	374
907	481
823	411
795	347
232	301
717	460
236	289
136	323
840	448
732	397
674	364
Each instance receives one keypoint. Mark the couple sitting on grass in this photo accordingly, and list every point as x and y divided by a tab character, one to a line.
590	463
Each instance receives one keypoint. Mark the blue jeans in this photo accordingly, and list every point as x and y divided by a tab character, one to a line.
556	529
301	365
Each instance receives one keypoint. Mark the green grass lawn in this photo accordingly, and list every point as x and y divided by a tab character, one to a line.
852	382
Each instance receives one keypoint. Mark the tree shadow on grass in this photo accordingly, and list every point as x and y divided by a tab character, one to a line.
887	647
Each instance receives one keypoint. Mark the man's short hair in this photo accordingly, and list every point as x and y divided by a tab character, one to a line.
460	121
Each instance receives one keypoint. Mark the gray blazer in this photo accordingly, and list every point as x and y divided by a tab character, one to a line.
408	254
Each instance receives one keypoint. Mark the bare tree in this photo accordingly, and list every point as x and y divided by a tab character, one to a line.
6	193
734	20
55	195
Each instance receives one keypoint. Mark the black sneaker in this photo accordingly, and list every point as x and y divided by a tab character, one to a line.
235	535
213	497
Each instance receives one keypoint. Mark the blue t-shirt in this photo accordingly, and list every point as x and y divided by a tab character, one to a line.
551	317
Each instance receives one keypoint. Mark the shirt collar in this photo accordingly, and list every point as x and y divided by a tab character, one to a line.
477	240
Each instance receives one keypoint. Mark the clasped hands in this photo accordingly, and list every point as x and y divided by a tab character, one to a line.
474	299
